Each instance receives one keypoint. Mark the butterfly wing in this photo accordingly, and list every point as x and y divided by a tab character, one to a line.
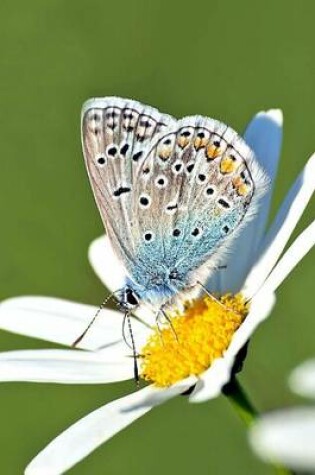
198	184
172	194
116	136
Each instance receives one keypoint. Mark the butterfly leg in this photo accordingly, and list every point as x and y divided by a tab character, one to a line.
169	321
161	311
212	296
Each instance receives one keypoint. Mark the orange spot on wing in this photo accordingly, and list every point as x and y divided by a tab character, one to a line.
212	151
200	143
228	165
165	153
183	141
243	189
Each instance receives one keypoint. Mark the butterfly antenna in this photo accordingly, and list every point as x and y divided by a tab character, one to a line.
133	347
124	331
80	338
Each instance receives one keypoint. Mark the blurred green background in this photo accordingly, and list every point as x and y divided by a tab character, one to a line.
223	59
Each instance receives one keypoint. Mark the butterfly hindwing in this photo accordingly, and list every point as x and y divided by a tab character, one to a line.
196	191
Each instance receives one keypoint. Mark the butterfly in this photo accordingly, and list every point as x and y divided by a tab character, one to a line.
172	194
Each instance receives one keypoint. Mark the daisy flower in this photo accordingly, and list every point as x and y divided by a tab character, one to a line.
197	354
288	435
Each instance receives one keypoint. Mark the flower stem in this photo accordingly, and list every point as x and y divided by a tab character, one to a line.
247	412
240	401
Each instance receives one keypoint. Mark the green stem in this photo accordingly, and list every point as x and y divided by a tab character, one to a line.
247	412
240	402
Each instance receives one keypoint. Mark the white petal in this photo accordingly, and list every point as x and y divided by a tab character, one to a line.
282	227
301	246
286	437
106	264
219	373
63	367
61	321
264	136
302	379
211	382
80	439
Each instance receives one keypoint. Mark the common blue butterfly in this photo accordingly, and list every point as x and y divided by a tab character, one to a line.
172	193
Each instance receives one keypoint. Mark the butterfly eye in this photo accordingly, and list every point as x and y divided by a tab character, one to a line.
225	229
176	232
131	298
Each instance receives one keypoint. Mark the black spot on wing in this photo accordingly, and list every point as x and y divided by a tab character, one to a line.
124	149
224	203
121	190
112	151
137	156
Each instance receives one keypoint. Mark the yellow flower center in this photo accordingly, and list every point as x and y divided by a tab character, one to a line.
191	341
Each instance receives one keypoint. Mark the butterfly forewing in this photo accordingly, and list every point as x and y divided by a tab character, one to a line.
116	135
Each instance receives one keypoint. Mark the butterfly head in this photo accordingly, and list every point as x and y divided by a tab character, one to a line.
129	299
